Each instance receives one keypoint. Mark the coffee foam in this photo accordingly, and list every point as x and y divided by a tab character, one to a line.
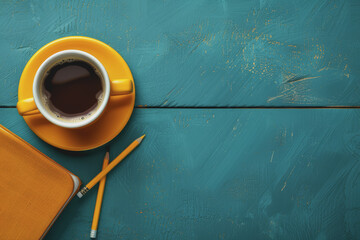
45	96
69	60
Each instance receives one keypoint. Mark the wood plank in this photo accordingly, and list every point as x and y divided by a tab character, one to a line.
201	53
221	174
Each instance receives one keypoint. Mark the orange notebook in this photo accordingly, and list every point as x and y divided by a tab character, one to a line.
34	189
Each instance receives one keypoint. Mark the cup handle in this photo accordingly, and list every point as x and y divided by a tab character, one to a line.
27	107
121	87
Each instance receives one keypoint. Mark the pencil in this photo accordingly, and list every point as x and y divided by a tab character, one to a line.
113	163
99	198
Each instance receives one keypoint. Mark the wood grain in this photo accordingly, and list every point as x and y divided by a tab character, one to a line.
220	174
203	53
212	173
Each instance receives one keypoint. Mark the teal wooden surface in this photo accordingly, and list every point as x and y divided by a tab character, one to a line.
220	174
203	53
212	173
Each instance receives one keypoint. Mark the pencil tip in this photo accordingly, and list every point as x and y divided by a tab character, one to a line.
140	138
107	155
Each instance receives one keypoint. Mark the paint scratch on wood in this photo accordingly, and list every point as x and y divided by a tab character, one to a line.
273	98
272	156
285	183
322	69
299	79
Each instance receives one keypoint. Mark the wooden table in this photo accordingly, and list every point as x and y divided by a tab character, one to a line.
250	111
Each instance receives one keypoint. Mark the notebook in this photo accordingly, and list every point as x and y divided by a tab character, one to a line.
34	189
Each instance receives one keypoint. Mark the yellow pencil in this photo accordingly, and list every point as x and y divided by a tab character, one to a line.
113	163
99	198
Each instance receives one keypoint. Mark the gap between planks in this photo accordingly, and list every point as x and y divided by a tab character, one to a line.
244	107
252	107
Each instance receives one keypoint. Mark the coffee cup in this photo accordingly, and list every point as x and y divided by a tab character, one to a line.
71	89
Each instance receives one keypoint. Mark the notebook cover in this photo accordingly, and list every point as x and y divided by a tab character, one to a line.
34	189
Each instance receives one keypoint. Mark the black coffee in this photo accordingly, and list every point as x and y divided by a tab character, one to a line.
73	88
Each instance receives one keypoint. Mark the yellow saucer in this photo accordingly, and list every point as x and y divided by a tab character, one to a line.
114	117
